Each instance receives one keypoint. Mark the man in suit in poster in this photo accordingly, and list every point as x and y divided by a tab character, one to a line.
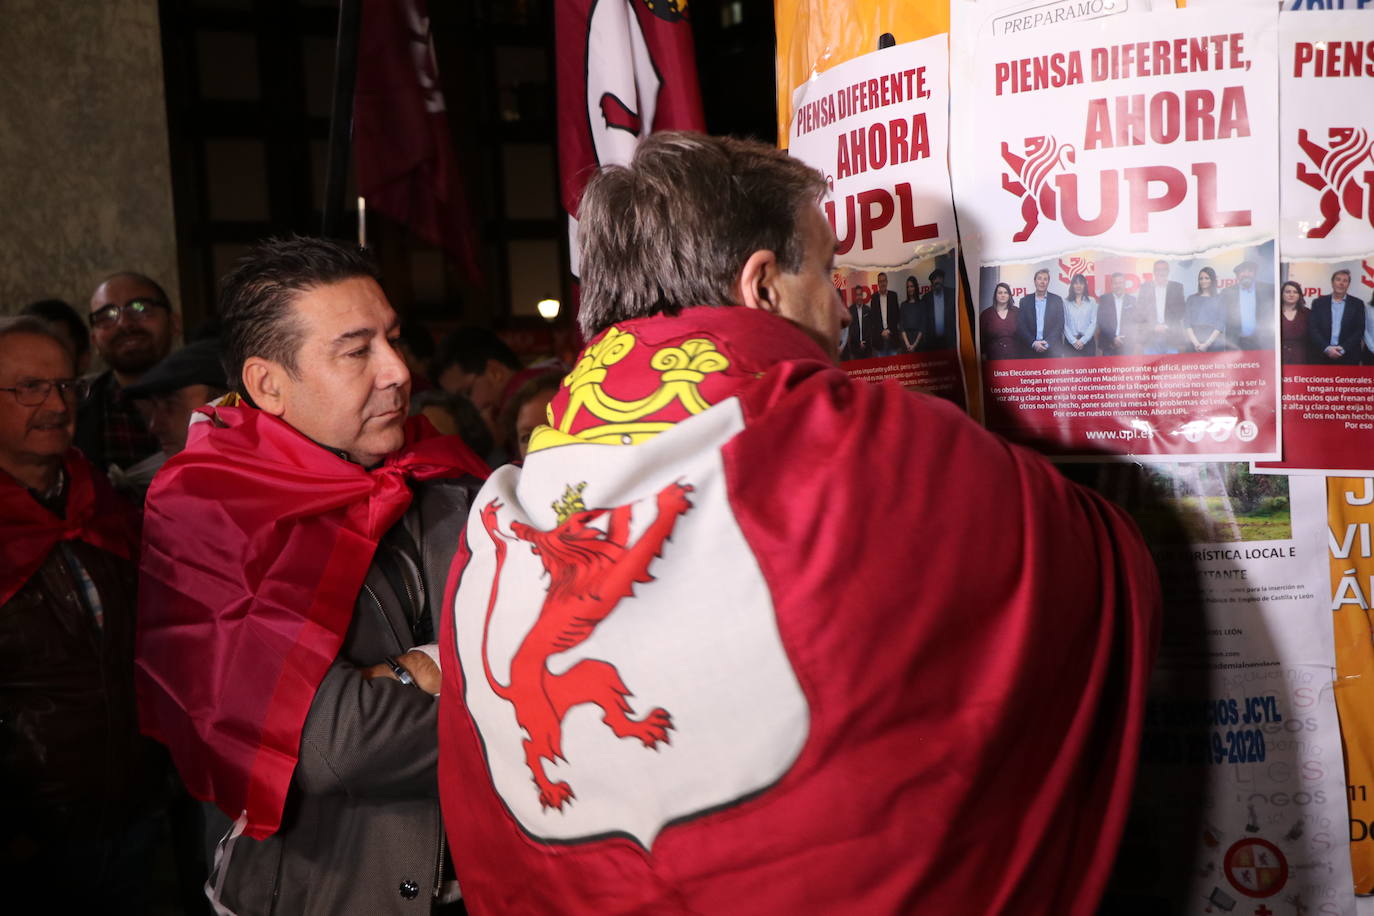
886	305
864	327
1159	312
1249	310
1040	323
1115	316
1336	326
941	320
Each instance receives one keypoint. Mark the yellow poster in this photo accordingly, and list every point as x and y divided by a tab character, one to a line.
1350	515
815	35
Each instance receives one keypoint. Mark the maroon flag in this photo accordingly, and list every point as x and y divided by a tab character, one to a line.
406	165
625	69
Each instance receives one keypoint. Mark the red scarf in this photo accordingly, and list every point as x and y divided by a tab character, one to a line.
29	532
257	541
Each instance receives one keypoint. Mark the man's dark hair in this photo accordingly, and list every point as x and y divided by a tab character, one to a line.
255	305
469	349
936	274
1338	273
674	228
55	311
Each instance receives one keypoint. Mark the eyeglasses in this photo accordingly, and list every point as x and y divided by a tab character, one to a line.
135	310
31	392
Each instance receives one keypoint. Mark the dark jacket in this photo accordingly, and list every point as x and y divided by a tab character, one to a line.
1108	330
72	755
864	330
1350	334
1053	330
361	831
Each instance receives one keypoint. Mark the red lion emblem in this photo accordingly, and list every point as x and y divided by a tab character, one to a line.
1335	176
1368	274
590	572
1031	182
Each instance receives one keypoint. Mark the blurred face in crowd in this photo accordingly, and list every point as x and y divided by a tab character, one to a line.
350	390
1204	282
1042	281
171	415
882	284
483	389
533	414
1245	277
132	340
1161	273
39	433
808	298
1118	285
1339	284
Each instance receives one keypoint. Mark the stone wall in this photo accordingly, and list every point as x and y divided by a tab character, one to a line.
85	179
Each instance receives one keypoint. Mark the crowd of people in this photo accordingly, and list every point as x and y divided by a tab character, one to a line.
266	587
1159	318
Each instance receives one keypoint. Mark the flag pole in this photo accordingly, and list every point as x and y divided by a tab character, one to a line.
334	224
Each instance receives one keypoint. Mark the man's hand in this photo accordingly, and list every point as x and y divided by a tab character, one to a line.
421	667
1334	352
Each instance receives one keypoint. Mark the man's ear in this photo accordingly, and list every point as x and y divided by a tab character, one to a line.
497	371
263	379
759	286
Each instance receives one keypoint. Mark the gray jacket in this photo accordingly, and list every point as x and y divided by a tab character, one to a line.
361	831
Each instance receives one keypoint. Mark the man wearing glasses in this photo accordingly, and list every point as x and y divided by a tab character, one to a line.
80	790
132	325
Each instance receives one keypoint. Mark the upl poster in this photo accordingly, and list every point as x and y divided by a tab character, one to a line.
1116	188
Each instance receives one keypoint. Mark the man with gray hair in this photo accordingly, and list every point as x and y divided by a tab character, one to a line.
81	791
693	678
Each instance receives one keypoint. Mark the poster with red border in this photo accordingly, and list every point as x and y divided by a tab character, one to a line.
1326	317
1115	180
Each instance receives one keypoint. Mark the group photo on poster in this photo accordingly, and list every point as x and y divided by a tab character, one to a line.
1123	260
909	311
1130	346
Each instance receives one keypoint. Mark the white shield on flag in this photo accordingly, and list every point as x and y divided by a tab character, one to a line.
629	674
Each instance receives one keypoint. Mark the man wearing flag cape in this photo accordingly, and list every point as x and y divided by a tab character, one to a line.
81	794
747	635
292	553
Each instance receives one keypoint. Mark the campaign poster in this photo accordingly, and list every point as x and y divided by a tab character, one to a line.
877	127
1326	155
1240	798
1115	185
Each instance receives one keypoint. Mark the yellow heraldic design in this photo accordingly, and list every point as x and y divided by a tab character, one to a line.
571	503
681	369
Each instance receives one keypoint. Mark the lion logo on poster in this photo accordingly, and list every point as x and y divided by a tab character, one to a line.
1337	175
590	572
1030	179
1368	274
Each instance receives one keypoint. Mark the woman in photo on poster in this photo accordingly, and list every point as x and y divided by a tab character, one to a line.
997	326
1204	315
1080	319
909	316
1293	314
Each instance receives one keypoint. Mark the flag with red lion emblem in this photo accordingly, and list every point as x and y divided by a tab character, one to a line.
626	68
689	669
